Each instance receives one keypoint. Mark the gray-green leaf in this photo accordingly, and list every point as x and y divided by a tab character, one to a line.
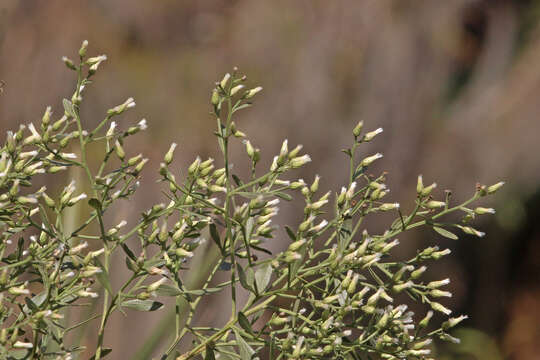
262	277
142	305
246	352
445	233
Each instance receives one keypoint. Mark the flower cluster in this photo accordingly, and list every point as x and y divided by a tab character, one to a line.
335	291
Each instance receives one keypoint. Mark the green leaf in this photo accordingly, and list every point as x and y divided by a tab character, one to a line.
168	290
128	252
244	323
103	278
237	180
291	233
283	196
200	292
68	107
209	353
31	304
131	265
262	277
95	203
445	233
347	152
215	235
249	228
243	278
17	354
142	305
39	298
246	352
243	106
359	171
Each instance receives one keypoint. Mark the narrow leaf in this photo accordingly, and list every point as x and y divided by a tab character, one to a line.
142	305
237	180
291	233
215	235
200	292
128	252
283	196
244	323
168	290
445	233
209	353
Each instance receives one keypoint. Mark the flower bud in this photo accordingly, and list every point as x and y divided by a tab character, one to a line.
435	204
183	253
119	150
370	159
252	92
296	245
291	256
194	167
82	50
315	186
440	293
389	206
358	128
419	185
225	81
471	231
418	272
134	160
403	286
46	119
69	63
493	188
439	254
140	165
300	161
428	189
370	135
483	210
453	322
438	284
215	97
22	345
425	321
351	288
439	307
235	89
155	285
169	155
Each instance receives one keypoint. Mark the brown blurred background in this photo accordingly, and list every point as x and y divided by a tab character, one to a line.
455	85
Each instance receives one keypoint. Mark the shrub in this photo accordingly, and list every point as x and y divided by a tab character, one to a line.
330	294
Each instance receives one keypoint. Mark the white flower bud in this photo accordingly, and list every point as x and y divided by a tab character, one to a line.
370	135
370	159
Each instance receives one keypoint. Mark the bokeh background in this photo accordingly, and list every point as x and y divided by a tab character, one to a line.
455	85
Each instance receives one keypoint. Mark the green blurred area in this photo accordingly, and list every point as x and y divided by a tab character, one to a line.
454	84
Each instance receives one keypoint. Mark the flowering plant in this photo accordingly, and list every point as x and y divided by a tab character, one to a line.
335	292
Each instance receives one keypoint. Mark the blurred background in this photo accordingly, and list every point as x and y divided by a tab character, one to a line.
455	85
